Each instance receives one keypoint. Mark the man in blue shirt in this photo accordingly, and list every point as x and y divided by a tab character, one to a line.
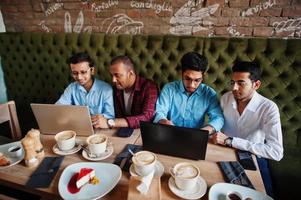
87	90
186	102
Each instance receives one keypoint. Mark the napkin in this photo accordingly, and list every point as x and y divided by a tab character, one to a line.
44	174
124	159
235	173
145	183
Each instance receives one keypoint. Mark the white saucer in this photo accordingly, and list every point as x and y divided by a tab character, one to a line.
195	193
106	154
75	149
159	170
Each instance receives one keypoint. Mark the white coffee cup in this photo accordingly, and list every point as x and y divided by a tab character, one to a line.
144	162
65	140
185	175
233	195
15	151
97	143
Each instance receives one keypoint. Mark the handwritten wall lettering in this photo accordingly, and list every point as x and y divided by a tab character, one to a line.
103	5
52	8
84	1
121	23
78	27
259	7
190	17
234	33
287	25
44	27
150	4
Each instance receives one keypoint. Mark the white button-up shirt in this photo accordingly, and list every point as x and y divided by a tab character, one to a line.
257	129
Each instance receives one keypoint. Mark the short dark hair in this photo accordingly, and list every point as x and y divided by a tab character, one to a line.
126	60
194	61
81	57
245	66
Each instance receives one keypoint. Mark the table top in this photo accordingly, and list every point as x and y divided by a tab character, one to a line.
17	176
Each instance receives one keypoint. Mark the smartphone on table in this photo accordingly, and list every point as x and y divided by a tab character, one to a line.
246	160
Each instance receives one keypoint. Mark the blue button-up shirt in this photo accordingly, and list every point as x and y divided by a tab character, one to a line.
99	99
183	110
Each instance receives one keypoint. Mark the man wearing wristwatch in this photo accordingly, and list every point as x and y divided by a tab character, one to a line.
252	122
87	90
134	96
187	102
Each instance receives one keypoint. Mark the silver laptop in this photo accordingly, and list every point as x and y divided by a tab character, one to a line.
53	118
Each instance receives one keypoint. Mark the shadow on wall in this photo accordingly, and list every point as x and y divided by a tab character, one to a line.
3	95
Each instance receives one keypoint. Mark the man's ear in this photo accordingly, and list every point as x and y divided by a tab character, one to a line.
257	84
92	70
131	72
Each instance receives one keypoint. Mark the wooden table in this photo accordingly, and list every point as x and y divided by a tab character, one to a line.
16	176
209	168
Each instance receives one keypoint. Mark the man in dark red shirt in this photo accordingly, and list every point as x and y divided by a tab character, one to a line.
134	96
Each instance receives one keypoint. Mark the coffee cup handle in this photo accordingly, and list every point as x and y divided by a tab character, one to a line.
171	171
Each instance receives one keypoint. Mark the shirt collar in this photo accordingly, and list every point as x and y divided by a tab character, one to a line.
137	86
198	90
93	88
252	105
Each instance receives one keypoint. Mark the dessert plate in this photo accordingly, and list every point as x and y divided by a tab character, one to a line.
109	151
13	160
107	173
195	193
75	149
159	170
220	190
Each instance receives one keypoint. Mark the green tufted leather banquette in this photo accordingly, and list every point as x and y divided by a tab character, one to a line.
36	70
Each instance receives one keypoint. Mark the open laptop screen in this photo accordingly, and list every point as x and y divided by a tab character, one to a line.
174	141
53	118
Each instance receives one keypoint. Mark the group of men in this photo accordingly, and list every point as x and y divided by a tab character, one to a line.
242	119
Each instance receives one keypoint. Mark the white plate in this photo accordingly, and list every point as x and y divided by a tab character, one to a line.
13	160
159	170
75	149
219	191
195	193
107	173
106	154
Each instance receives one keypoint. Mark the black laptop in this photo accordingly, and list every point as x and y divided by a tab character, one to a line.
174	141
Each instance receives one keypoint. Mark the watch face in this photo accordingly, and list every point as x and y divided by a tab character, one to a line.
111	122
228	142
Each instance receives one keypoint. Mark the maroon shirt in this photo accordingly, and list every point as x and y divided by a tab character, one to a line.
145	95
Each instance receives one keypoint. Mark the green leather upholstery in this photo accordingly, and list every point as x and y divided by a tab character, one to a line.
35	70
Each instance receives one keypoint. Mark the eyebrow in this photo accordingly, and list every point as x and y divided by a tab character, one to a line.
239	81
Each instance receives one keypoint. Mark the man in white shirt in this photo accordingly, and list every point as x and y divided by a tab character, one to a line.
252	122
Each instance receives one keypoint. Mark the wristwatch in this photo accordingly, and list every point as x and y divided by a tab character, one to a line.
228	141
111	123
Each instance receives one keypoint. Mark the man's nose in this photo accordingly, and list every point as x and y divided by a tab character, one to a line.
235	86
114	80
192	83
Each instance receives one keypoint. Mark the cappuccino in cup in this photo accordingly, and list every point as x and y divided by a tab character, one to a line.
65	140
144	162
185	175
97	144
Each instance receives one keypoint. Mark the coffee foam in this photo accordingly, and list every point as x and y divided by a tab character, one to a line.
144	158
186	171
65	136
97	140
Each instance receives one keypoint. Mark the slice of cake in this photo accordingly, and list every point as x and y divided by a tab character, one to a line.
4	161
84	176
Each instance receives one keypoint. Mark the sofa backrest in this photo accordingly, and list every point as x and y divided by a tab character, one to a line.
36	69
